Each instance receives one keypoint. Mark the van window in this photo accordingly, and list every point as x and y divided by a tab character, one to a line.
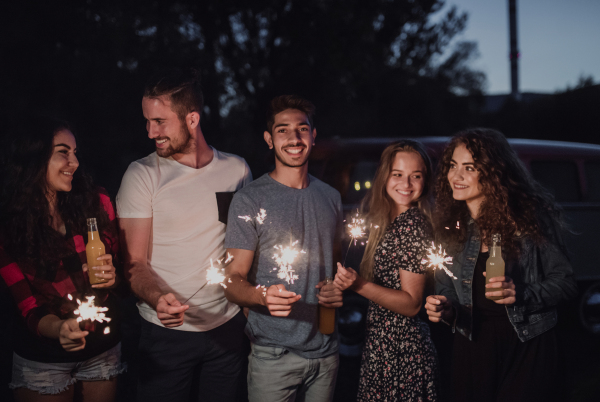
559	177
361	180
592	174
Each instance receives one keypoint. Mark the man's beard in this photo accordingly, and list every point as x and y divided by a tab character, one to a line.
284	163
180	148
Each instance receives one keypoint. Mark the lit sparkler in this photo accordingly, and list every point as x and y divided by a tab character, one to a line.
215	274
437	259
284	260
88	310
356	230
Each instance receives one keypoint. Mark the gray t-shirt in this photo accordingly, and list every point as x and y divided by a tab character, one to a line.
311	216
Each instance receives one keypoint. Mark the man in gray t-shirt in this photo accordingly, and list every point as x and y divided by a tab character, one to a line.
286	208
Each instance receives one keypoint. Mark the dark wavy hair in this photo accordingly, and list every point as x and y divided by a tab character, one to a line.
25	220
513	200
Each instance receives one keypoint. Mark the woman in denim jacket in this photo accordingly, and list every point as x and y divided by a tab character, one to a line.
507	349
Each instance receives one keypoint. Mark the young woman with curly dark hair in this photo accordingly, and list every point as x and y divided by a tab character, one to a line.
44	203
505	349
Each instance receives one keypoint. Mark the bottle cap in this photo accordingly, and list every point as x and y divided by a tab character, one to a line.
91	221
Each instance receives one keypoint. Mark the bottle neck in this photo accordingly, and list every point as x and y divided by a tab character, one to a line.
93	231
496	251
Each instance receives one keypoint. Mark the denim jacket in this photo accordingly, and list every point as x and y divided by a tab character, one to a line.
542	275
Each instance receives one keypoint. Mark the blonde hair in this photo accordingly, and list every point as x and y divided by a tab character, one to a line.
379	206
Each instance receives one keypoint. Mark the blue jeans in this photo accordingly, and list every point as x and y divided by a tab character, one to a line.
277	375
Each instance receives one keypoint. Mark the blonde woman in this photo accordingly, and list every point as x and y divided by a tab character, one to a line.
399	360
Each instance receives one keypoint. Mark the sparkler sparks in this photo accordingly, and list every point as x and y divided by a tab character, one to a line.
89	311
214	274
356	230
437	259
284	260
260	217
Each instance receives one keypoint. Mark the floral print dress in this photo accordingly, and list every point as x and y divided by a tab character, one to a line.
399	360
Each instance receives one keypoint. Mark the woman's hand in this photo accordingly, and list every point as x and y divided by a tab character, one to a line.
106	271
70	336
345	278
501	286
439	308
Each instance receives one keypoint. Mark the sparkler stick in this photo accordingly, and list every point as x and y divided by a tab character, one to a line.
356	231
214	275
438	259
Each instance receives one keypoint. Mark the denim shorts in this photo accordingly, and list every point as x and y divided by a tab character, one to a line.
54	378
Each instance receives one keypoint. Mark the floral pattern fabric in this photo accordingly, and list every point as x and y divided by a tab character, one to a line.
399	360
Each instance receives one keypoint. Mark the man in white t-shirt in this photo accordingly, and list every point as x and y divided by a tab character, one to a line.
172	208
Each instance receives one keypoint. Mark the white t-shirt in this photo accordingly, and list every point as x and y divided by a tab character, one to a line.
186	231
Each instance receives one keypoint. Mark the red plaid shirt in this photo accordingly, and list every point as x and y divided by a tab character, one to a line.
37	297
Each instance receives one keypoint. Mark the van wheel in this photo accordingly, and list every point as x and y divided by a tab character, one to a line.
589	308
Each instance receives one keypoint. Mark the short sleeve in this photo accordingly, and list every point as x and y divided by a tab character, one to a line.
415	238
241	223
134	199
247	176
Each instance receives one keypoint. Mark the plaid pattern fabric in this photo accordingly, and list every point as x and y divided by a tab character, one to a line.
37	296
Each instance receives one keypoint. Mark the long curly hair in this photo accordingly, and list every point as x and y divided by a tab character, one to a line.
378	205
513	201
25	219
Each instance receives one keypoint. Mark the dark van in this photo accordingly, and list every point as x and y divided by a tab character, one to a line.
570	171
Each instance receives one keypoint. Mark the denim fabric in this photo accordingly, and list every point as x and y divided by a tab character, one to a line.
542	274
54	378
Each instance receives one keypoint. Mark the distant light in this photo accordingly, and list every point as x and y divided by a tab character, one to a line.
357	186
367	185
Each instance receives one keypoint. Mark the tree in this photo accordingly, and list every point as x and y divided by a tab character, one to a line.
380	67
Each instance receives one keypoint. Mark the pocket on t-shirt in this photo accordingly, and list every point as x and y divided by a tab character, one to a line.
223	202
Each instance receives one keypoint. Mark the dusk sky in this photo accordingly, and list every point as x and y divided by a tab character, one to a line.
558	41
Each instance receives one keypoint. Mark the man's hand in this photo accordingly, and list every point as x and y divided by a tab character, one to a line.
501	286
329	295
70	336
439	308
170	311
279	301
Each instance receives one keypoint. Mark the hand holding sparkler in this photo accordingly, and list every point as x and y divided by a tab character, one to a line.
346	278
279	301
170	311
439	308
70	336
